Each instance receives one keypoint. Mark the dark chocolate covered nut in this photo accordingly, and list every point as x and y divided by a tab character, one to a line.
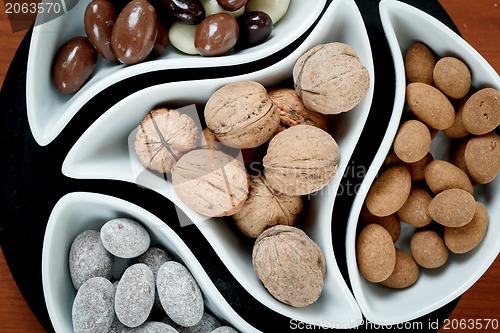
185	11
254	28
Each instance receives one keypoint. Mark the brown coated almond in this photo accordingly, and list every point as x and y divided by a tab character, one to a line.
391	222
412	141
452	76
428	249
405	272
430	105
481	113
442	175
482	157
452	208
419	63
414	211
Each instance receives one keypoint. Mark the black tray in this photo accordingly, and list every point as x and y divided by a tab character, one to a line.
33	182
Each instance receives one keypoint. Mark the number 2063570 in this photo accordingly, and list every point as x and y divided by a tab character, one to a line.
470	324
35	8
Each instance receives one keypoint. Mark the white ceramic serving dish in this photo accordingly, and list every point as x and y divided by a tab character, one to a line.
403	25
50	111
105	151
80	211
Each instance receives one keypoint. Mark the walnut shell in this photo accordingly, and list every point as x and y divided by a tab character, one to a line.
290	265
330	78
300	160
211	182
241	115
293	112
266	208
163	136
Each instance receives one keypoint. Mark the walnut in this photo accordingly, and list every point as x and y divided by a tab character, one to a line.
211	182
163	136
241	115
290	265
293	112
300	160
266	208
330	78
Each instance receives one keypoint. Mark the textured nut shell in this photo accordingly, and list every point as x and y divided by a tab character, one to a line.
290	265
442	175
412	141
391	222
293	112
419	64
405	272
452	208
241	115
301	160
481	113
375	253
211	182
452	77
389	191
430	105
482	157
163	137
463	239
428	249
414	211
330	78
266	208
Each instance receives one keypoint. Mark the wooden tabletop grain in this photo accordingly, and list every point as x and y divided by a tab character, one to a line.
479	24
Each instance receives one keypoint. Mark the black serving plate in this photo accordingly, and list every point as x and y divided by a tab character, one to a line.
33	182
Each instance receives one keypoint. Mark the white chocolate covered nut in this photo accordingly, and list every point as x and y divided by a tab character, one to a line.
276	9
181	36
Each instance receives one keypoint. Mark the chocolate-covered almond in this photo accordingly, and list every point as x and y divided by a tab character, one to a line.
185	11
73	64
231	5
99	19
134	33
216	34
254	28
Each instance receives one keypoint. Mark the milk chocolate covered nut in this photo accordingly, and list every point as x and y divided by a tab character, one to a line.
216	34
452	76
73	64
134	32
412	141
99	19
265	208
405	272
88	258
301	160
389	191
92	309
212	7
481	113
290	265
241	115
211	182
180	295
375	253
330	78
430	105
231	5
482	157
163	136
419	64
463	239
293	112
428	249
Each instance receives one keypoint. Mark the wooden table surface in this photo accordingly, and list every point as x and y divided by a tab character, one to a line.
479	24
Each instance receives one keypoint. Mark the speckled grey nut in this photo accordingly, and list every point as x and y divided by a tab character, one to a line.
92	310
135	295
330	78
88	258
151	327
224	329
117	326
163	137
125	238
180	294
206	324
154	257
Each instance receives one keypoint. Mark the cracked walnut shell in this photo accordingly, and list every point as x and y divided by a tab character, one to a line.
163	136
301	160
211	182
290	265
241	115
266	208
